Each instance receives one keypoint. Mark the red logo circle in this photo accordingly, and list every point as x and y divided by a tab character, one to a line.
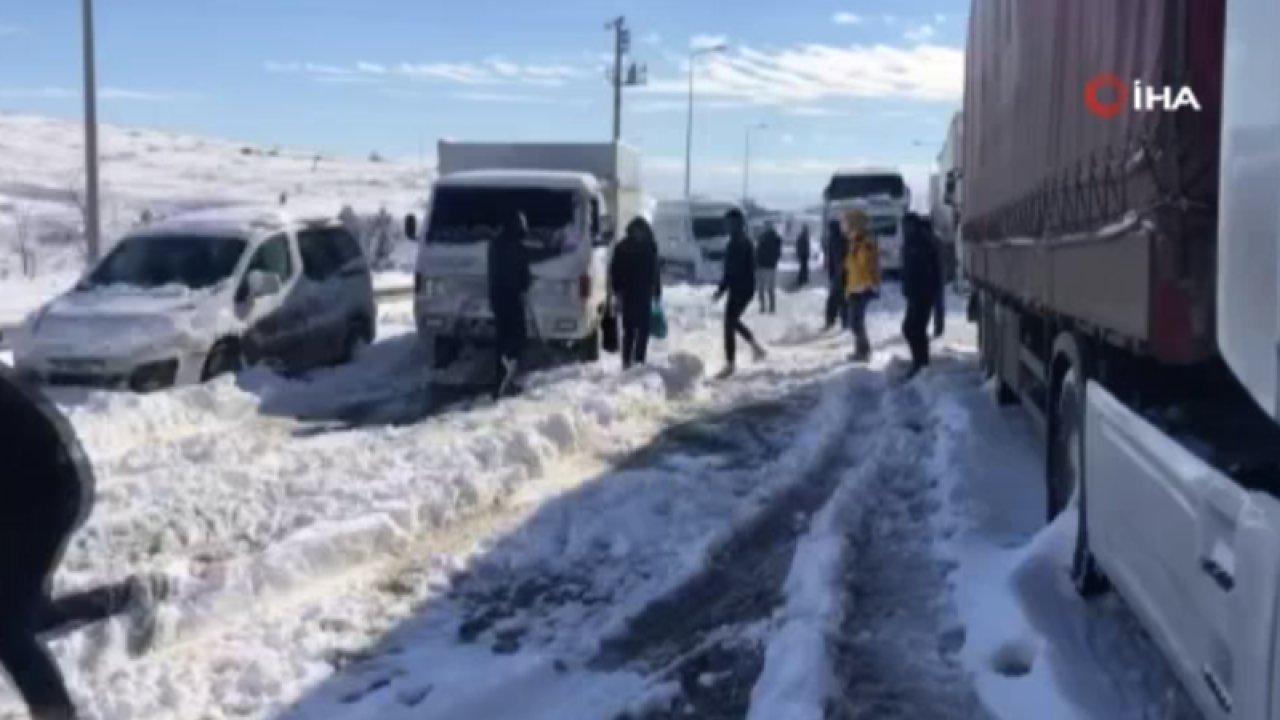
1106	110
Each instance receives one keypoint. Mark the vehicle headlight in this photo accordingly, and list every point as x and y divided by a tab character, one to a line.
154	376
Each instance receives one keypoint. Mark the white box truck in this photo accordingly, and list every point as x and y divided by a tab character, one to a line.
577	198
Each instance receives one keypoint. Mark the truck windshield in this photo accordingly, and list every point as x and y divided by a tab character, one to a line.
845	187
193	261
709	228
473	215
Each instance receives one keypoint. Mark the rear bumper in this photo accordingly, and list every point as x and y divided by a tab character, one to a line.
555	327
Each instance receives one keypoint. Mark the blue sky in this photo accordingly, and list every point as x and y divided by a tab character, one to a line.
838	82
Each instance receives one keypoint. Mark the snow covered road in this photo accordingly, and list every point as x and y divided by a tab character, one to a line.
807	539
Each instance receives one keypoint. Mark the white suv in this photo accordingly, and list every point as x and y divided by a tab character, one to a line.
199	295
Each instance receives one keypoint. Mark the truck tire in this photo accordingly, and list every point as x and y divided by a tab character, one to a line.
1066	479
445	352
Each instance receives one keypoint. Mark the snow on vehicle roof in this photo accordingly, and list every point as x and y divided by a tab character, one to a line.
239	221
857	172
548	179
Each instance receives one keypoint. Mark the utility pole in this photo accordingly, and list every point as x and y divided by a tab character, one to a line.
91	214
623	75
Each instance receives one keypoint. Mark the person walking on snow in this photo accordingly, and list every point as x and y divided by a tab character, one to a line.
835	248
637	283
768	255
921	284
46	493
510	278
862	280
802	255
739	282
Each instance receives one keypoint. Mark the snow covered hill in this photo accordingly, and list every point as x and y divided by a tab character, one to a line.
42	179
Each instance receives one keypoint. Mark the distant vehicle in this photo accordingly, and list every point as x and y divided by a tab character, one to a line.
1125	267
883	195
189	298
576	198
692	237
946	197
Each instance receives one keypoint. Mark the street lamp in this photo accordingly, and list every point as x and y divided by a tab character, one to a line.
91	222
688	141
746	161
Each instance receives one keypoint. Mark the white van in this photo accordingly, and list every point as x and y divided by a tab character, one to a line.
692	236
195	296
567	244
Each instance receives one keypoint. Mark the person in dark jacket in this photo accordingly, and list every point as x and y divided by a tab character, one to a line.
510	278
946	262
637	283
46	492
921	283
739	283
768	255
836	246
803	251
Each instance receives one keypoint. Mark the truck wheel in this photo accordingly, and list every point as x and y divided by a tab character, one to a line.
445	352
587	350
223	358
1067	481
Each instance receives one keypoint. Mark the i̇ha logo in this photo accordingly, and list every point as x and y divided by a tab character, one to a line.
1145	97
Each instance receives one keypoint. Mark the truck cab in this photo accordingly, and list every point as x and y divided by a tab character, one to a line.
883	195
568	247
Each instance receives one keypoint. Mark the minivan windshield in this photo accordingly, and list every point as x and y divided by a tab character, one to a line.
192	261
472	215
845	187
709	228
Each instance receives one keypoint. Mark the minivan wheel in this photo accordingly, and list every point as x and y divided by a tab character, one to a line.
1067	482
359	336
223	358
587	349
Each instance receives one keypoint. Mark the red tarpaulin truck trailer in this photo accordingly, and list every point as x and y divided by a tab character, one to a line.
1121	222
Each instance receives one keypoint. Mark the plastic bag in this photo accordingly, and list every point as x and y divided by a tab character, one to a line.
658	322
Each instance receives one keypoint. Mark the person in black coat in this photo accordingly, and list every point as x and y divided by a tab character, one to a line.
510	278
46	493
739	283
835	246
802	254
921	283
636	280
768	255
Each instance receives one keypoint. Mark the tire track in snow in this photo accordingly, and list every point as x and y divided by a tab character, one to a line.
897	655
705	640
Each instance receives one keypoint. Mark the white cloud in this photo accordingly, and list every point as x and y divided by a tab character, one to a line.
847	18
889	19
105	94
702	42
788	139
493	71
811	111
811	73
920	34
652	38
940	18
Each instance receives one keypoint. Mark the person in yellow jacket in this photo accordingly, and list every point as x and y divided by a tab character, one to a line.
861	279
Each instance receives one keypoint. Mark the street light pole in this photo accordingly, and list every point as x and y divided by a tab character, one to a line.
91	211
688	140
746	162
